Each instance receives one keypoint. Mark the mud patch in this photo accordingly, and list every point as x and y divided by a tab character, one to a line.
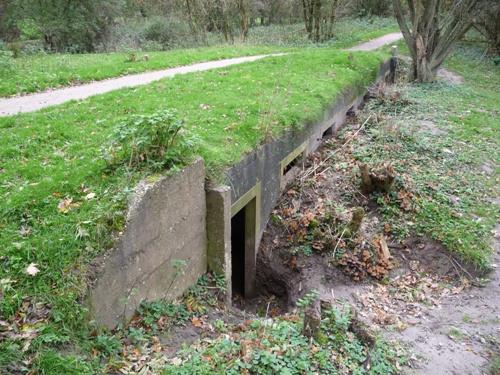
431	128
450	77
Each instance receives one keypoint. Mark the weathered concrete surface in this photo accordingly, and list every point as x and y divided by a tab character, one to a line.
219	232
161	251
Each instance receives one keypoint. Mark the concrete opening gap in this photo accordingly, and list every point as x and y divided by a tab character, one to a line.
327	133
294	163
291	164
238	253
243	246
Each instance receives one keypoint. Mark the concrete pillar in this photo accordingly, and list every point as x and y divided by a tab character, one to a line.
219	232
393	64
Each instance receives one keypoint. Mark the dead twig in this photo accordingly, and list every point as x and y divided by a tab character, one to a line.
321	163
337	244
454	262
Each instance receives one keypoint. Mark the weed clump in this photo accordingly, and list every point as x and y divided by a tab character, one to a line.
156	141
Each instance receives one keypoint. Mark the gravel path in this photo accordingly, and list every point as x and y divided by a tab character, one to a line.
378	42
34	102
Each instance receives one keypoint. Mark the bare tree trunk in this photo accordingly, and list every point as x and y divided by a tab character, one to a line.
191	21
307	8
244	11
430	32
317	20
312	320
333	16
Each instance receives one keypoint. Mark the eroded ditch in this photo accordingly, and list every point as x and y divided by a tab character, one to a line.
425	297
291	262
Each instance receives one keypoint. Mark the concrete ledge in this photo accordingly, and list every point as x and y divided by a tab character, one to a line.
161	251
219	232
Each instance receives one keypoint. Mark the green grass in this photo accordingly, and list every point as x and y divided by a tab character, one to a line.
494	367
56	154
28	74
444	172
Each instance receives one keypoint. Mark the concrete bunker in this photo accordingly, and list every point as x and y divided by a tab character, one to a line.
210	227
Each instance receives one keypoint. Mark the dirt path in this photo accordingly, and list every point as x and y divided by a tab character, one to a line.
458	337
34	102
378	42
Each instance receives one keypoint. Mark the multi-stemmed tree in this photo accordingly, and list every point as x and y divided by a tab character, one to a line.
430	29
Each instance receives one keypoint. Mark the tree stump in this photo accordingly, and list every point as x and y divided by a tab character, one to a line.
361	329
355	223
312	320
380	178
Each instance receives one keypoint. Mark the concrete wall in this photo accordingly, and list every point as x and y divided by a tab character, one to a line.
166	226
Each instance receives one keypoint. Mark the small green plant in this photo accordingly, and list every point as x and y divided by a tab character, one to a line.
220	326
136	335
455	334
151	312
305	250
107	345
307	299
495	365
220	282
154	140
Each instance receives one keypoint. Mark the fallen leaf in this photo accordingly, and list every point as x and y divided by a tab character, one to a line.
196	322
32	269
66	204
176	361
90	196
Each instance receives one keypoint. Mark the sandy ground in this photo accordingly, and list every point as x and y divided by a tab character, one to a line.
458	337
34	102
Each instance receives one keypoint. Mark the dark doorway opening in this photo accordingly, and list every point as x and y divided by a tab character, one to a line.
238	224
328	132
294	163
243	248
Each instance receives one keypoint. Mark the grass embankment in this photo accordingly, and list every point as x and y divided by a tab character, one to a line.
28	74
60	203
443	140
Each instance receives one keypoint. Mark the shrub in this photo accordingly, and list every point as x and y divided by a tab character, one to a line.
156	141
373	7
32	47
168	32
5	58
487	23
152	45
